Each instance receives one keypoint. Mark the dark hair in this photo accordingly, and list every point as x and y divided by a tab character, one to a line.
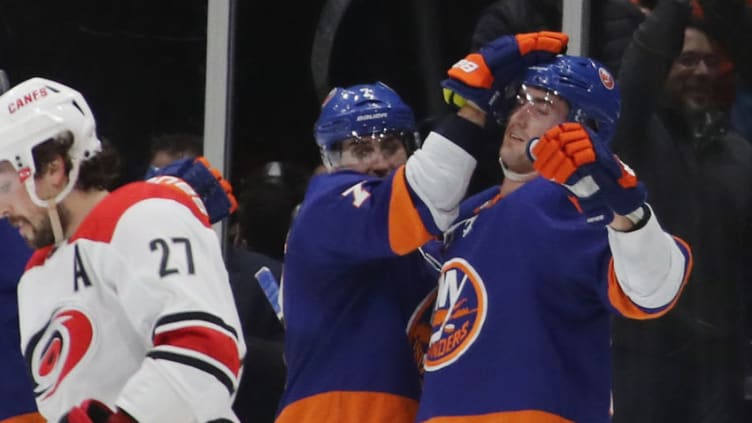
177	143
101	171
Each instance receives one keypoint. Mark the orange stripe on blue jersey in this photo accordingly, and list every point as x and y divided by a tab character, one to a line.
624	304
25	418
350	406
522	416
406	229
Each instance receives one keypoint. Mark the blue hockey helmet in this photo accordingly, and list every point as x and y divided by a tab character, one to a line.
588	87
363	111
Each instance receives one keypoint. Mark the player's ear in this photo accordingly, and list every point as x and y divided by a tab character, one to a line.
55	173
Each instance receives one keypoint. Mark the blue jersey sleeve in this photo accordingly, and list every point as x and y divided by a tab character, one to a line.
348	214
16	395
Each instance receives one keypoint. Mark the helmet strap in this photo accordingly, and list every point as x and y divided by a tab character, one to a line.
57	227
515	176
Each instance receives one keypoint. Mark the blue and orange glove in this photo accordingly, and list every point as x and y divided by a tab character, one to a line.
214	190
574	157
93	411
480	78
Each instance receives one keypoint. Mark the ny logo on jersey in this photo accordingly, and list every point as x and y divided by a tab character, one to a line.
359	193
458	316
419	329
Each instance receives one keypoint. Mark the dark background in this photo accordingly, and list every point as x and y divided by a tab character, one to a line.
141	64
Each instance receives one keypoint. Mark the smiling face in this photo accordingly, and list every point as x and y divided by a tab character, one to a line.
694	76
536	112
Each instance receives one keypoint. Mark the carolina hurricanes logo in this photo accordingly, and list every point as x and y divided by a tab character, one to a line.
458	316
56	349
606	79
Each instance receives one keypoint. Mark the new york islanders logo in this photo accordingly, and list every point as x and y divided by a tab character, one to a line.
606	79
57	348
458	316
419	329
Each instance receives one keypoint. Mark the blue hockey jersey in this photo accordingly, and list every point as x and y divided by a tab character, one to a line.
16	394
350	295
521	326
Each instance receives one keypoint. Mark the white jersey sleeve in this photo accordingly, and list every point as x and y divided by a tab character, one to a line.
177	291
134	310
650	267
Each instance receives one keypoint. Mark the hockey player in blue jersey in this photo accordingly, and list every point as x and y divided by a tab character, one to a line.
347	301
351	286
521	325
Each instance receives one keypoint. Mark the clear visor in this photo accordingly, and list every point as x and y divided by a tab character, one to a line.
363	150
11	186
535	100
40	225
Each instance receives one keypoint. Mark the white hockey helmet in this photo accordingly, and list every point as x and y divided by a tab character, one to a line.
35	111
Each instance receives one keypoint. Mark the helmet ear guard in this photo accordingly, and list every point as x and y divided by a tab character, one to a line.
36	111
360	111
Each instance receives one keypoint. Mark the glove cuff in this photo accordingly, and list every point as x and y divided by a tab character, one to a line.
639	217
467	135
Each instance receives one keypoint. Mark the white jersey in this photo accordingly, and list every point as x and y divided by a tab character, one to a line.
135	310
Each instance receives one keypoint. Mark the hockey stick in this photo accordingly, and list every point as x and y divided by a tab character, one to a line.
323	44
268	284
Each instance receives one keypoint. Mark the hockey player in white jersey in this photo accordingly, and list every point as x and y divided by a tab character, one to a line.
126	313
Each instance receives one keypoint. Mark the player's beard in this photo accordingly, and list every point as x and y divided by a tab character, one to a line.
42	234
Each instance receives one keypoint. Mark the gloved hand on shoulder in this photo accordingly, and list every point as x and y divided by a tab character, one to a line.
214	190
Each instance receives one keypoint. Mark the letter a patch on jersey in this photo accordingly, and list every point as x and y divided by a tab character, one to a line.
458	316
79	271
